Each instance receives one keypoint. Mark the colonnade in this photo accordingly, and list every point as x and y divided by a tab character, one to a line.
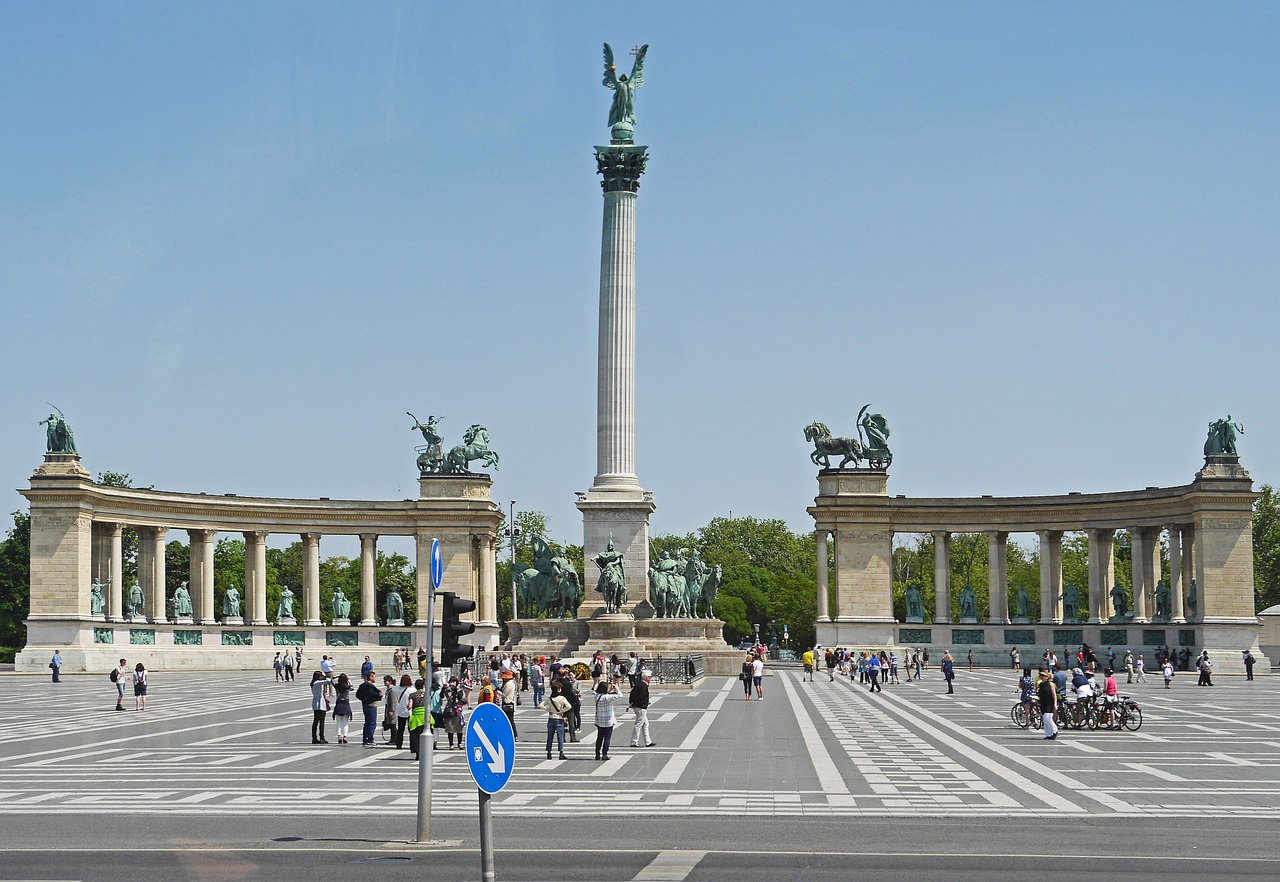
1097	605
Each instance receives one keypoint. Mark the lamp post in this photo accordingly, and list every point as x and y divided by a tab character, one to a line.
512	533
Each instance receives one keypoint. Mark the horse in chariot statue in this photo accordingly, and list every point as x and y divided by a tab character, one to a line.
871	444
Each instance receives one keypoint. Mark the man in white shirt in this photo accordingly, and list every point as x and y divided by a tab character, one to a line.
122	677
757	677
326	666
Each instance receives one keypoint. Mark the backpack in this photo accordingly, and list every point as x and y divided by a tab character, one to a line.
115	675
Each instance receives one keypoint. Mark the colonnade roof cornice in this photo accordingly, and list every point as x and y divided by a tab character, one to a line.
240	514
1153	507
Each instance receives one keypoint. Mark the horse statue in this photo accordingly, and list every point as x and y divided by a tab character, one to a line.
551	585
667	588
825	446
475	445
612	583
707	596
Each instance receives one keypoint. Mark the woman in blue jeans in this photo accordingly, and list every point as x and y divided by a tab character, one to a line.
557	708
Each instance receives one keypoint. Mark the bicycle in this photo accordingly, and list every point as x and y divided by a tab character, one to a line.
1124	714
1018	713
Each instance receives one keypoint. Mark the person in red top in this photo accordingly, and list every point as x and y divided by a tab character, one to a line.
1111	693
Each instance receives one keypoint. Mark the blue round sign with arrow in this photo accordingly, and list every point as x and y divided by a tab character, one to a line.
491	747
437	565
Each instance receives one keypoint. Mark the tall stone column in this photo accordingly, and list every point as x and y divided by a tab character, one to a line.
1050	576
255	576
488	587
941	577
208	613
368	579
115	596
1101	573
998	578
616	507
311	578
1189	572
145	569
1178	616
196	575
158	594
1138	553
824	600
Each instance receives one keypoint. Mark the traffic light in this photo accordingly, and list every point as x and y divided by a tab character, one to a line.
452	627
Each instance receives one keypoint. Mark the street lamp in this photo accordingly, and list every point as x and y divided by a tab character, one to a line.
512	534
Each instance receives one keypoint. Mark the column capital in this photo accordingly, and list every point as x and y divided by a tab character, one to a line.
368	537
254	536
311	538
622	165
115	529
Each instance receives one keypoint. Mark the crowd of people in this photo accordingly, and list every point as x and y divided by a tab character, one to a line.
406	706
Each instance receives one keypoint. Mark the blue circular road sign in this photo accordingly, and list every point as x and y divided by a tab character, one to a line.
437	565
491	747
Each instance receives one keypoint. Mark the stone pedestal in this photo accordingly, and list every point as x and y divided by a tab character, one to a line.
624	516
237	621
560	637
184	620
286	621
395	623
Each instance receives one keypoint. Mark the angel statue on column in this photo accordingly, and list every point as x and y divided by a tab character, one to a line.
622	113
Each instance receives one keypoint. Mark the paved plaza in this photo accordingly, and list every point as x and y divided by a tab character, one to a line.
824	773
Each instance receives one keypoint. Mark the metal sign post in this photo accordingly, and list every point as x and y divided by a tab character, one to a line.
426	745
491	753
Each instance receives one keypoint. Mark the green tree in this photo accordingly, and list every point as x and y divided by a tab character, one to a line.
15	584
1266	548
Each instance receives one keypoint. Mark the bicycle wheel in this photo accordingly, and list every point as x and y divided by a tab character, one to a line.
1093	718
1132	719
1037	717
1018	714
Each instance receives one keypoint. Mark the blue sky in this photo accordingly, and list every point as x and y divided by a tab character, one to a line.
239	240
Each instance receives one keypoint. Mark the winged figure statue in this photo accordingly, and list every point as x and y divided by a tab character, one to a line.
623	109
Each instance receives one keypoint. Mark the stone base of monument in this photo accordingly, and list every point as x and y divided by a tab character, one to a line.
233	620
183	620
1021	620
559	637
341	623
61	465
612	633
287	620
862	633
395	623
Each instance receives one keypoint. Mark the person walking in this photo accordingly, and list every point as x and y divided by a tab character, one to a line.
1166	669
1206	669
538	679
366	669
1140	668
342	707
403	695
120	675
748	669
638	703
757	676
949	671
277	665
370	697
1128	665
417	716
509	695
1047	692
139	687
1015	658
924	659
807	660
557	708
573	693
1026	694
971	659
1248	665
830	659
873	673
318	710
453	702
606	698
55	665
288	666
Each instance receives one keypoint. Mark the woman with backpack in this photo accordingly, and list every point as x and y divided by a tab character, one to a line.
140	687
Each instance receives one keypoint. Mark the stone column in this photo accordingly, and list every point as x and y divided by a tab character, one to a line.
195	574
1050	576
448	553
1101	573
1191	570
997	578
941	577
311	579
158	593
115	596
824	603
208	614
489	578
368	580
255	576
145	549
1178	616
1138	548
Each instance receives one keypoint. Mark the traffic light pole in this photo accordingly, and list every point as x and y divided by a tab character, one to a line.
427	745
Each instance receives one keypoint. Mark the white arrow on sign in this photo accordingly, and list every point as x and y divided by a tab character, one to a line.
498	765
